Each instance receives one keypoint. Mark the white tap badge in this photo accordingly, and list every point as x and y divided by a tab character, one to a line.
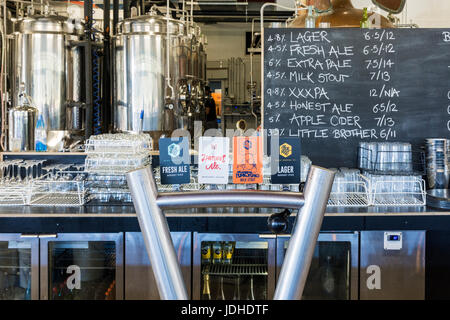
213	160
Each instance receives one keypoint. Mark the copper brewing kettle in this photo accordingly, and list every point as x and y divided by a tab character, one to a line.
339	14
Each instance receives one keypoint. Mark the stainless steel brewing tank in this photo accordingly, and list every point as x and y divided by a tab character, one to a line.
50	68
140	71
22	123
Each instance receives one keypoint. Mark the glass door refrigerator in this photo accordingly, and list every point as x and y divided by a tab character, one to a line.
82	266
140	283
333	274
19	267
233	266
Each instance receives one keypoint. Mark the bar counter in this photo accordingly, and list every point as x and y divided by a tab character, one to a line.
122	218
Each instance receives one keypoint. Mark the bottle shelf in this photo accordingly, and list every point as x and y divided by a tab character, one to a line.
235	270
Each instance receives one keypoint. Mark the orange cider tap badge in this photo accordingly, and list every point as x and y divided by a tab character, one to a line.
247	160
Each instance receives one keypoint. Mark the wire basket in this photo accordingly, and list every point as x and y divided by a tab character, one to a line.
14	194
350	193
118	143
15	180
110	181
193	185
395	191
109	195
107	188
64	189
117	164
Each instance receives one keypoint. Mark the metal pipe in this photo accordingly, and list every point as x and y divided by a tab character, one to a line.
88	15
261	12
21	1
218	3
3	82
126	9
168	79
238	76
160	248
115	15
234	79
183	10
233	75
249	14
155	231
192	14
297	261
230	77
106	101
243	78
238	79
231	198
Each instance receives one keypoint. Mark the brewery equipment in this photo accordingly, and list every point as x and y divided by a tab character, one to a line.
337	13
438	163
22	123
48	63
151	83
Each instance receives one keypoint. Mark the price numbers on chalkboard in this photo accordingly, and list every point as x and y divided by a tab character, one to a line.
379	49
379	64
381	53
381	35
448	110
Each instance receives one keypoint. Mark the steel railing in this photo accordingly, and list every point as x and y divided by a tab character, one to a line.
149	204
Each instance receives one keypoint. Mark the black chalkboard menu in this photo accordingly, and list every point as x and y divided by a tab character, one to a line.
336	87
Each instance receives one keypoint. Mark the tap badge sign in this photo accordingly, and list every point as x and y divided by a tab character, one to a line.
247	160
213	160
286	162
174	160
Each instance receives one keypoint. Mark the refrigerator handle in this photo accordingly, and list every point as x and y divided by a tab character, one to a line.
28	236
44	236
267	236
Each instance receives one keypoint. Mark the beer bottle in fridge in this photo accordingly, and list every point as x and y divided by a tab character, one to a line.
206	252
206	294
227	252
217	252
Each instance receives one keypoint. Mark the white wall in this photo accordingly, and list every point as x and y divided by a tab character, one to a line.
225	40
